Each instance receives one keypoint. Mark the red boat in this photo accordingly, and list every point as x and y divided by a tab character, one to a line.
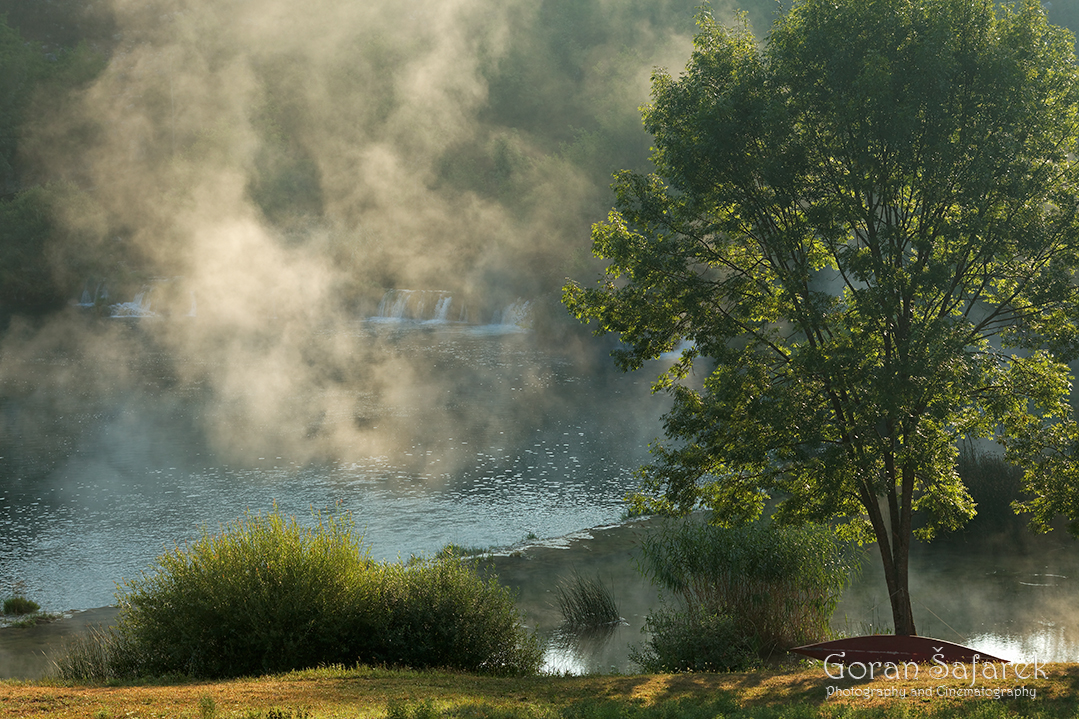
895	649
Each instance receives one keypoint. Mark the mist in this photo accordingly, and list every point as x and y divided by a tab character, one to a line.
268	171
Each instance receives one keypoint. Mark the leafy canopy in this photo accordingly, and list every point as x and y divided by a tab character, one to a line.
867	232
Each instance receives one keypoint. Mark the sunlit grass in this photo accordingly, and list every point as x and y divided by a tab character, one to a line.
337	691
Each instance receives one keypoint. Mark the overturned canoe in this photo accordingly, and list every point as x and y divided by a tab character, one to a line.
895	649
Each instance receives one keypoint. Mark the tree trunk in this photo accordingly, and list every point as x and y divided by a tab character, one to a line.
894	551
902	616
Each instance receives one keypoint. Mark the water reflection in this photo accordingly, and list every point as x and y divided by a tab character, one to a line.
595	650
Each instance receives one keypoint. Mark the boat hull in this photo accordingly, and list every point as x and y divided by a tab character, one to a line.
895	649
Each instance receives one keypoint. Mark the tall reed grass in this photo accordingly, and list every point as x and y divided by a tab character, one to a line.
586	603
994	485
267	595
757	588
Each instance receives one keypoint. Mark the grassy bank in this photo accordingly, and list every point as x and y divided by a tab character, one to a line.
367	692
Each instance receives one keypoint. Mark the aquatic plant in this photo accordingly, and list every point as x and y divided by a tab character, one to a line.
586	603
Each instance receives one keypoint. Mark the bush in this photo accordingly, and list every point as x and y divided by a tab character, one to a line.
20	605
694	640
752	590
266	595
440	613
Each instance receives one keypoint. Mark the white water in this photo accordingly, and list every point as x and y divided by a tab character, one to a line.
438	306
141	306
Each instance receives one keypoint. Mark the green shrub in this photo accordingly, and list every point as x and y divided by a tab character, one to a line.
757	589
694	640
266	595
586	603
440	613
20	605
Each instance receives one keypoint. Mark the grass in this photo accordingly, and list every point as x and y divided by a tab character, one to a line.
20	605
377	693
586	603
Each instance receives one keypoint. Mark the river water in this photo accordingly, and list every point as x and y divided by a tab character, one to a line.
500	440
499	437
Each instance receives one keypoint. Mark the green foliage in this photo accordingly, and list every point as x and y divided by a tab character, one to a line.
744	592
20	605
440	613
586	603
868	231
267	595
692	639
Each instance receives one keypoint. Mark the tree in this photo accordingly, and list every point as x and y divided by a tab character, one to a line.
866	231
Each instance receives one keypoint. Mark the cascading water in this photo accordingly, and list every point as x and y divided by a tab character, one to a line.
418	305
438	306
100	295
159	298
516	314
442	308
138	307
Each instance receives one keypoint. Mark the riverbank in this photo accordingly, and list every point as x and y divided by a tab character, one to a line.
27	652
366	692
532	569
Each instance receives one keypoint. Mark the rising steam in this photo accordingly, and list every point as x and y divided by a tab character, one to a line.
271	168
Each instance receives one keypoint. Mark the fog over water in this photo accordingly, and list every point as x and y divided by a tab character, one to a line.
499	440
252	193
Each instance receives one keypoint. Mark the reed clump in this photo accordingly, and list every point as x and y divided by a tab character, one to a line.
741	593
266	595
587	603
18	605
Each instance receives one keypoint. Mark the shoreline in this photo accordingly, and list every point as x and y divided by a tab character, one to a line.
530	568
27	652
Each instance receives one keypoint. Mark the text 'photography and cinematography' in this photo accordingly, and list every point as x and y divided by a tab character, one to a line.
939	670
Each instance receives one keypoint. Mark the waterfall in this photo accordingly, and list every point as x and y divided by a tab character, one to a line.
516	314
138	307
418	305
442	308
438	306
92	299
